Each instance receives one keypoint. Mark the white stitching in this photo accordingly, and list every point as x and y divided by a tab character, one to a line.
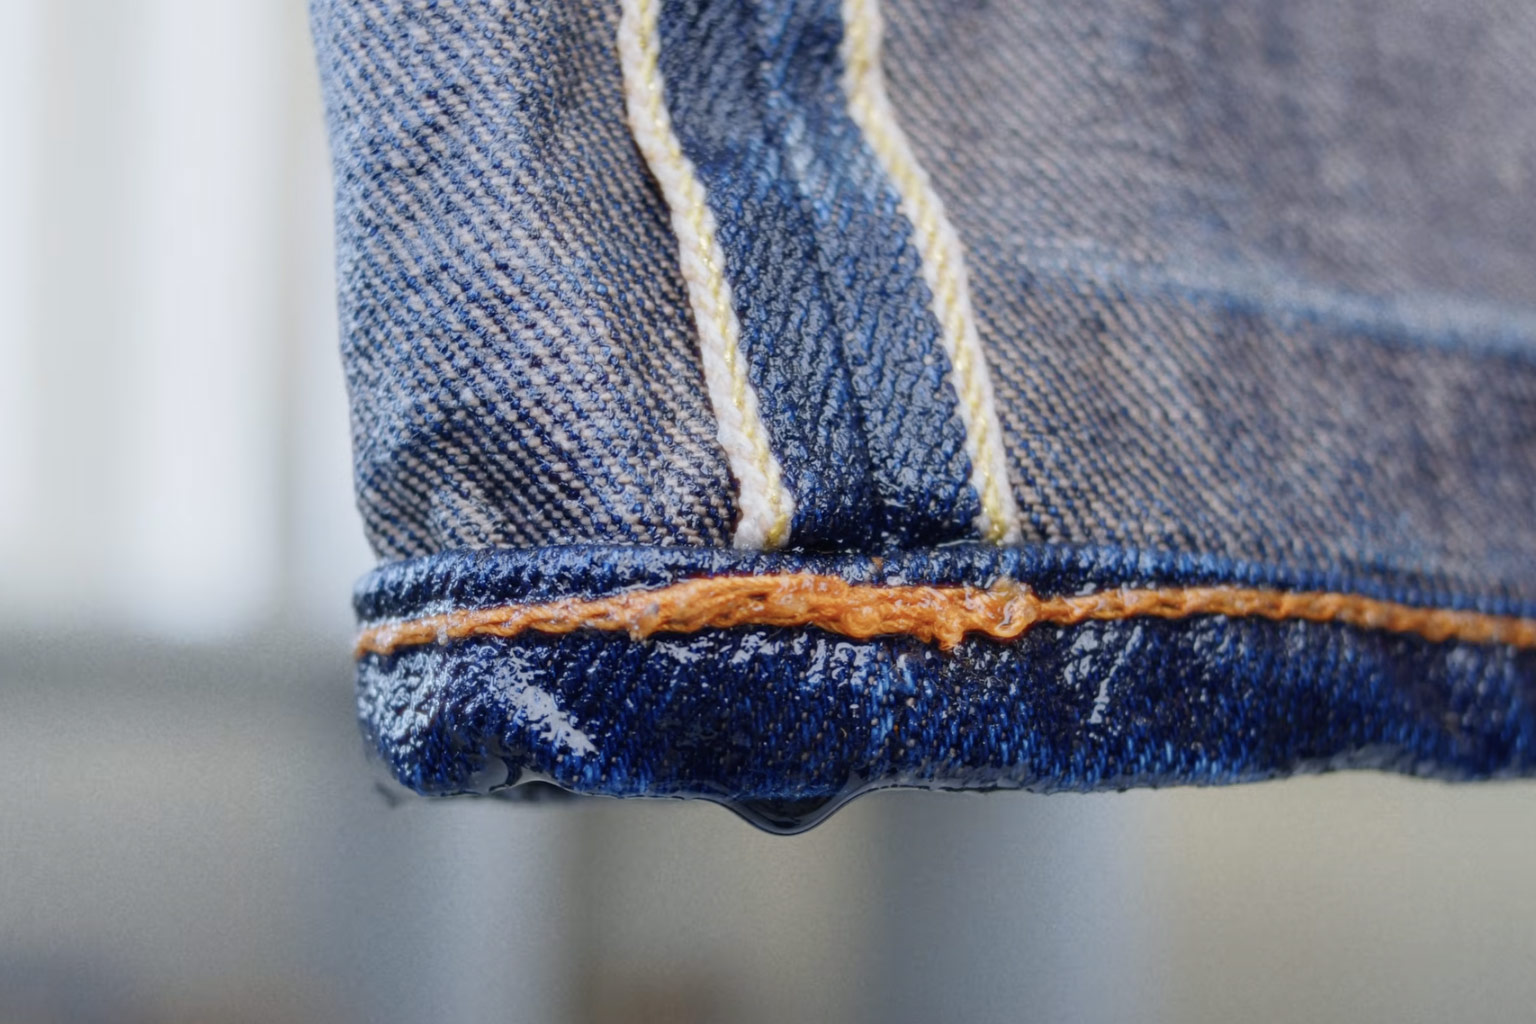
765	504
943	268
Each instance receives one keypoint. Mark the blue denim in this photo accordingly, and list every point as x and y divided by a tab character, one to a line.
1255	282
835	314
514	332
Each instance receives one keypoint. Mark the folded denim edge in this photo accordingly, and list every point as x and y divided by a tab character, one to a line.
481	578
786	723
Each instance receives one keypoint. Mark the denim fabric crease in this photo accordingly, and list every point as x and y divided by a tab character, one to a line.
1200	301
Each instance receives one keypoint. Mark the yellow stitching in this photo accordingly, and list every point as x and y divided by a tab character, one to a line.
760	480
943	265
945	615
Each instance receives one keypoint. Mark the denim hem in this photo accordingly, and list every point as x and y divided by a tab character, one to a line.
784	724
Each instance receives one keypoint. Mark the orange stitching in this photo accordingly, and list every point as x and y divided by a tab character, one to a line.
932	614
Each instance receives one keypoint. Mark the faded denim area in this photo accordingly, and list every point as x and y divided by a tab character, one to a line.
1255	278
518	345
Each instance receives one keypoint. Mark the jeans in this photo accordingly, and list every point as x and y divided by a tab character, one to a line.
773	401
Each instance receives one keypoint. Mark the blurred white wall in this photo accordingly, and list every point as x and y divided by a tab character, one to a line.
173	451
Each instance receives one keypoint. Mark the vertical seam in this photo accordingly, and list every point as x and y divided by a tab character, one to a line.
943	263
765	504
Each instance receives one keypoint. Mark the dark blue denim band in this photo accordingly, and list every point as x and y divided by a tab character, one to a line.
487	578
785	723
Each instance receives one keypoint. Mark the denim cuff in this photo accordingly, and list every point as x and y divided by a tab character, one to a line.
784	723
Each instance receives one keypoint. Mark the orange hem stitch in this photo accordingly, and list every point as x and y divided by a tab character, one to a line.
945	615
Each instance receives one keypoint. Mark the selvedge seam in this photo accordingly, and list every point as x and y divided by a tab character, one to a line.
945	615
943	267
765	504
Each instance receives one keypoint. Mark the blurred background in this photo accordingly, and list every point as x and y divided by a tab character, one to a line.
190	829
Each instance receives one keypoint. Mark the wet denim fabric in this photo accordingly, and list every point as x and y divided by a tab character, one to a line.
1256	283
